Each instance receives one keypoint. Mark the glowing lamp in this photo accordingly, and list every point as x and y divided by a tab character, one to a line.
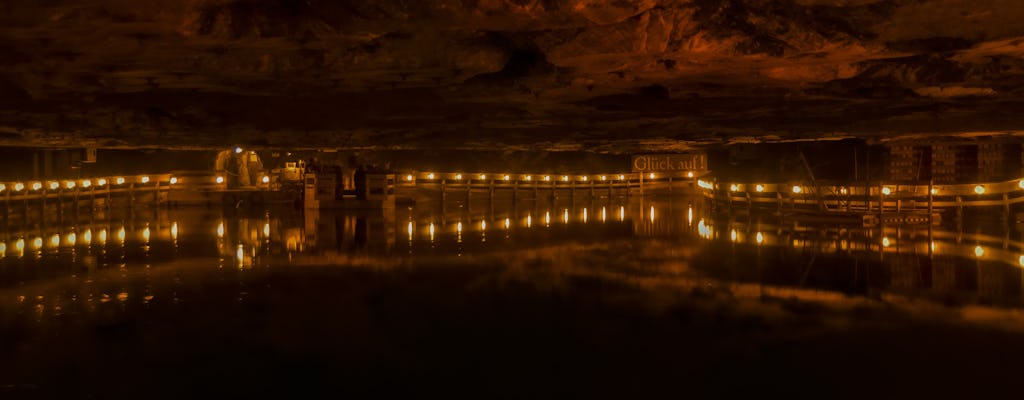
886	242
604	178
173	180
3	187
565	178
886	191
759	188
622	177
430	175
458	177
265	179
507	177
650	175
37	185
979	189
584	178
797	189
482	177
101	182
689	174
1021	184
408	177
979	251
220	179
547	178
69	184
528	177
935	191
144	179
238	150
54	185
19	187
86	183
734	187
119	181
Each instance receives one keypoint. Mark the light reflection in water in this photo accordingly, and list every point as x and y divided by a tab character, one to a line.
879	246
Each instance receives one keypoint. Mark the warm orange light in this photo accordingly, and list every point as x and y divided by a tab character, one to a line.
173	180
54	185
219	180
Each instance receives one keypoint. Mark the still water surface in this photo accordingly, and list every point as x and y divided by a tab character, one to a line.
405	300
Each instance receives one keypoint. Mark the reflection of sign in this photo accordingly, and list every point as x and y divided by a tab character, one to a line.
670	162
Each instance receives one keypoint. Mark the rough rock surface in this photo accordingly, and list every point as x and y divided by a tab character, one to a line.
597	75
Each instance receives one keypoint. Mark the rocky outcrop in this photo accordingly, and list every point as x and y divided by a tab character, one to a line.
453	73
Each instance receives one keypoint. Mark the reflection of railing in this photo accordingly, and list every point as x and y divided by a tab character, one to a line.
861	197
873	242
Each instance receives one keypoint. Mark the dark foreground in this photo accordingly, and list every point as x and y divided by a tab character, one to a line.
635	314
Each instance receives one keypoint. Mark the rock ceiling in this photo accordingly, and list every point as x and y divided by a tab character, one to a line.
596	75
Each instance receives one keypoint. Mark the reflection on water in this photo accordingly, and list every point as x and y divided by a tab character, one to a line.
433	294
943	264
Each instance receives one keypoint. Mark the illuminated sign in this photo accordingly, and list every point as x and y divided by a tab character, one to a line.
670	162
